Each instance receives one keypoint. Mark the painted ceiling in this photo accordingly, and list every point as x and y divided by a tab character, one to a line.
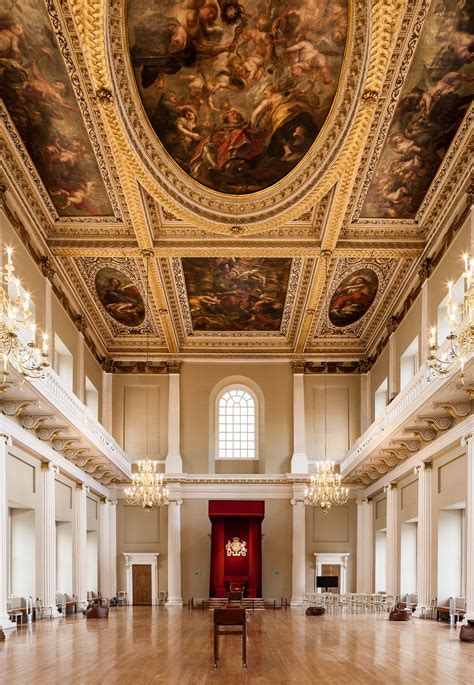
253	179
237	92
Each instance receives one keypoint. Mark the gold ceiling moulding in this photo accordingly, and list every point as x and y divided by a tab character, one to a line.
258	250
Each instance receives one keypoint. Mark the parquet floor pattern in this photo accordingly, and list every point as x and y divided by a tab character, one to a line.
148	645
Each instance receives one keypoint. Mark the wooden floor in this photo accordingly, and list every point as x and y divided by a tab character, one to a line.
156	645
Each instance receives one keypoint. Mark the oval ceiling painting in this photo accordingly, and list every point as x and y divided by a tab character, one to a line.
120	297
237	92
353	297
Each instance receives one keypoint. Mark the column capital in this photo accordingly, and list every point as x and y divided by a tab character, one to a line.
82	486
422	467
298	366
49	466
466	439
174	366
112	501
366	500
5	438
390	486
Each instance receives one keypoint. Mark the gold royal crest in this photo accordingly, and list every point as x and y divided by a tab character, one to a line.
236	548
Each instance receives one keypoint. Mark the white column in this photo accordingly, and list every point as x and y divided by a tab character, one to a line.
298	548
392	367
106	415
80	543
468	441
174	549
113	547
425	324
104	548
174	463
49	472
299	460
392	539
365	546
80	381
423	537
5	622
365	412
48	318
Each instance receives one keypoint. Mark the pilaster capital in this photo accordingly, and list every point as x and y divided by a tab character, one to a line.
174	366
81	323
298	366
5	438
467	439
49	466
366	500
425	269
392	325
82	487
419	468
112	501
390	487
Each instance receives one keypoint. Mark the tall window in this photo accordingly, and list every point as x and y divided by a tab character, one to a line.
236	424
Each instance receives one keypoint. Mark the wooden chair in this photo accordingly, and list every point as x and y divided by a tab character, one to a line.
459	609
235	597
41	609
230	617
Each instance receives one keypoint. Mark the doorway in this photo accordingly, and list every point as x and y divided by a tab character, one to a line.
333	570
141	584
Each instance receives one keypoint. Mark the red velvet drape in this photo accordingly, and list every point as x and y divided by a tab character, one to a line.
242	519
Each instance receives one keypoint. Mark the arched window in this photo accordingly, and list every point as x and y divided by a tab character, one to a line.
236	425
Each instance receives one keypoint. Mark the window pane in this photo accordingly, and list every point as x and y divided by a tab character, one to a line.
236	425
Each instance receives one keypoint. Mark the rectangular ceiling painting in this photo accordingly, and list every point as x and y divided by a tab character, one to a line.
435	96
236	294
35	87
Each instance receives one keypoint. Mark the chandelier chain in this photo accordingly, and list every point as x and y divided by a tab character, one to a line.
325	489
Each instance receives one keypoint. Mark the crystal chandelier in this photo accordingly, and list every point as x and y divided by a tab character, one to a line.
17	330
460	341
147	489
325	489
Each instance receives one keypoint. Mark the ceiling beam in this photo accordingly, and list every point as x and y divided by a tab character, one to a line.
242	250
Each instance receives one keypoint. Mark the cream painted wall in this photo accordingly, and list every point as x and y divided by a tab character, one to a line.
22	547
65	502
24	490
335	532
195	548
450	267
138	531
343	414
276	549
448	490
407	331
127	424
378	372
93	371
275	381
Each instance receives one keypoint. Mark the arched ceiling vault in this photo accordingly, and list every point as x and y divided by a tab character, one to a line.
129	209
